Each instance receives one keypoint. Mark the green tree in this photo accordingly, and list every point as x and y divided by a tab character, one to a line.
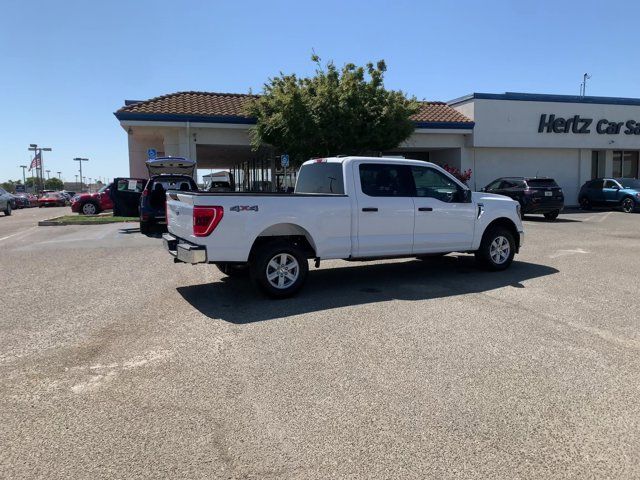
53	184
9	186
346	111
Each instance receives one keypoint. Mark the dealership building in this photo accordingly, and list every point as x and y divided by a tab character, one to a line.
569	138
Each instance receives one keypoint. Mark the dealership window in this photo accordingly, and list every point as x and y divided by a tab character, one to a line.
625	164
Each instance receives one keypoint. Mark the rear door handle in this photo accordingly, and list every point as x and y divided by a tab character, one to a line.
425	209
370	209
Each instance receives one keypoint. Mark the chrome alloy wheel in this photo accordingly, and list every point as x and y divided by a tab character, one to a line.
499	250
283	270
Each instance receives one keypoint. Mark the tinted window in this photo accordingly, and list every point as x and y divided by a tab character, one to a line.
542	183
169	182
611	184
321	177
431	183
596	184
493	185
126	185
629	183
380	180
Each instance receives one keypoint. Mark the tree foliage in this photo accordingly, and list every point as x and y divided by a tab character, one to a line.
337	111
53	184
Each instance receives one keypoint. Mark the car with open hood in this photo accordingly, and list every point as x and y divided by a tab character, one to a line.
165	173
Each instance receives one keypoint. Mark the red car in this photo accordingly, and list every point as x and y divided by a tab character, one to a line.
92	203
52	199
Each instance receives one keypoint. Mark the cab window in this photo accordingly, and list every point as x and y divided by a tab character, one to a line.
434	184
385	180
611	184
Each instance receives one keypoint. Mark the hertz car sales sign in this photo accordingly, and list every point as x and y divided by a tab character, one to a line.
549	123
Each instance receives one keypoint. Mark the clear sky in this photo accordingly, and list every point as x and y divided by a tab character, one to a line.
66	66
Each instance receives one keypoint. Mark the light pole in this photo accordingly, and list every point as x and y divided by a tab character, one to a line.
80	160
48	176
37	151
59	175
76	182
24	178
89	185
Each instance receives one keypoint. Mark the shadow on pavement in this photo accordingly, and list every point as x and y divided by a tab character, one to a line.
237	301
129	230
541	219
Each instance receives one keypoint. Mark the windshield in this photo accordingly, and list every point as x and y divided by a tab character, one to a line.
103	188
629	182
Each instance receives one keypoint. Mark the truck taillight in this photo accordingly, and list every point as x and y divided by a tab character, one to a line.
206	219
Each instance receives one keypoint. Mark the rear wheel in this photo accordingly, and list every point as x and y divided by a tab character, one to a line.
551	216
585	203
496	249
628	205
89	208
145	227
233	270
279	269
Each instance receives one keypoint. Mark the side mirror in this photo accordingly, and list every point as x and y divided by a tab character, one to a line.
483	189
466	196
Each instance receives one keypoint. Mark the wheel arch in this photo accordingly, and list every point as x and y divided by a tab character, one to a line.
289	232
507	223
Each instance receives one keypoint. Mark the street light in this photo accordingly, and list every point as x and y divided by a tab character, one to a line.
80	160
48	176
24	178
33	147
59	175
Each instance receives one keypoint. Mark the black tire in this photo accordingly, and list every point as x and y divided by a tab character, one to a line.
7	211
490	258
585	203
551	216
145	227
261	267
90	208
628	205
233	270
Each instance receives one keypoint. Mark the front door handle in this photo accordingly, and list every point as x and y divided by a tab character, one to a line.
425	209
370	209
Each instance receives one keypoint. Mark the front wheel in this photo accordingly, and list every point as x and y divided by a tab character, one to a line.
89	209
279	269
628	205
497	249
585	203
551	216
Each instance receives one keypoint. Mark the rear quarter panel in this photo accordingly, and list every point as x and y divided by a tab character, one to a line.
326	219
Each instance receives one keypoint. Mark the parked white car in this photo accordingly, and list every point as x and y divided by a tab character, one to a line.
350	208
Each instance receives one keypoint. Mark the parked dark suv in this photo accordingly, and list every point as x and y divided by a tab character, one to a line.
611	192
165	173
535	194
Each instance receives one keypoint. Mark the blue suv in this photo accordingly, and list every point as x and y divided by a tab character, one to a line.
611	192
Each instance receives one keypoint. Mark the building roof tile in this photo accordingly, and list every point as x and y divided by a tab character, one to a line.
220	105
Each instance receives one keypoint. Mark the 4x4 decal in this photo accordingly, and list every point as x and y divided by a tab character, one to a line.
244	208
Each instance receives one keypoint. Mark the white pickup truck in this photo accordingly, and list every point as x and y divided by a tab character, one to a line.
352	208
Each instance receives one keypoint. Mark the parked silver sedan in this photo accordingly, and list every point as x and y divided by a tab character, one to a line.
6	202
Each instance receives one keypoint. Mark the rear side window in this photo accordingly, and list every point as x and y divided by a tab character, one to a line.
385	180
321	177
596	184
542	183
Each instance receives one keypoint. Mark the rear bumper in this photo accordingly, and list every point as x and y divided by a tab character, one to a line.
184	251
543	206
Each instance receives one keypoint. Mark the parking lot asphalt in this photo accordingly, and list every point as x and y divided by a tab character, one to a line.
118	363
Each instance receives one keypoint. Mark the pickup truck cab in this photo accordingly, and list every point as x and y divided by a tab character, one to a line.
351	208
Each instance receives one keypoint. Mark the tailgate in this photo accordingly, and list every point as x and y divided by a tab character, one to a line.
180	214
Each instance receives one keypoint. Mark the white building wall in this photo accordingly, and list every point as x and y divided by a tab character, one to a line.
564	165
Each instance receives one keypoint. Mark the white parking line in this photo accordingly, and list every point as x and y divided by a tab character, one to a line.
15	234
562	253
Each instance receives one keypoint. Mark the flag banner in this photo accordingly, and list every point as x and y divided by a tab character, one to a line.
36	162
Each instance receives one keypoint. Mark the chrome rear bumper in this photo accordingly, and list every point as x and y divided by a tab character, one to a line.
183	251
